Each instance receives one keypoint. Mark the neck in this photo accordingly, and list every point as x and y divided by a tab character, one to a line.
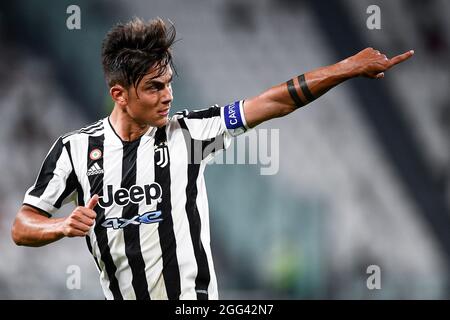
125	126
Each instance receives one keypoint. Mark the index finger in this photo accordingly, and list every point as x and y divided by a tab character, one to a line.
400	58
87	212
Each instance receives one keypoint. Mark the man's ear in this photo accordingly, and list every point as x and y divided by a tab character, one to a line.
119	94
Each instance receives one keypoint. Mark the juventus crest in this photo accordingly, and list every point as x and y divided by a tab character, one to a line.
163	154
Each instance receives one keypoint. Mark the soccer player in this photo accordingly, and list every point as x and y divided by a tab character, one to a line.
137	175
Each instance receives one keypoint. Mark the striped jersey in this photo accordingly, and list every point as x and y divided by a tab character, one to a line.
151	236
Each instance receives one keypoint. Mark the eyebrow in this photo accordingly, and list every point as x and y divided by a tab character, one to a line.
153	81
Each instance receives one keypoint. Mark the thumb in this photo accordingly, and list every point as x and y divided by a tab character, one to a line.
92	202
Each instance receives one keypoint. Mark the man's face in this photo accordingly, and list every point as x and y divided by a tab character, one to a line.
151	104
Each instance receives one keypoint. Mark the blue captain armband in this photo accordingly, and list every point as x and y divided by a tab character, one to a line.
233	116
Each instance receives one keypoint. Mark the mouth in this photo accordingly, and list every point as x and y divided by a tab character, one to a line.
164	112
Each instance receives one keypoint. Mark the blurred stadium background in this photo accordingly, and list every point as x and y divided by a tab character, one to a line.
364	171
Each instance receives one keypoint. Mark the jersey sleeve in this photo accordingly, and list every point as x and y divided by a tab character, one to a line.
214	126
56	181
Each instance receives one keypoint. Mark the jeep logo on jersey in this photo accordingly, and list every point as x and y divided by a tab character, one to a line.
136	194
120	223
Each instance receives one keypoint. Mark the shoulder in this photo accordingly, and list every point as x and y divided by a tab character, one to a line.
93	129
208	112
188	119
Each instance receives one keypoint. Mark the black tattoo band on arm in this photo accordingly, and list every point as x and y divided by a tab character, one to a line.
293	93
308	95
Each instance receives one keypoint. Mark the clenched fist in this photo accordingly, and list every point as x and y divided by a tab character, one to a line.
78	223
372	63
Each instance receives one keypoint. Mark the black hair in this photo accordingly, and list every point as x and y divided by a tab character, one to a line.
129	51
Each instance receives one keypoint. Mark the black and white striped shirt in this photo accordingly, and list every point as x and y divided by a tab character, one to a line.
151	236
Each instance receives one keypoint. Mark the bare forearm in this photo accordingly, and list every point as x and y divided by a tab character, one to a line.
35	230
315	83
307	87
284	98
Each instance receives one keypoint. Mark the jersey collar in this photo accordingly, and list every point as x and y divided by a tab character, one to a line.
149	134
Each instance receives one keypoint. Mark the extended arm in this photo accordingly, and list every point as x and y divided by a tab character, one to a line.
282	99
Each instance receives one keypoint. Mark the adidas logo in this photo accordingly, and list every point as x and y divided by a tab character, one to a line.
94	169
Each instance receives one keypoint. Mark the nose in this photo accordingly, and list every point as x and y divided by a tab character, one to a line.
167	96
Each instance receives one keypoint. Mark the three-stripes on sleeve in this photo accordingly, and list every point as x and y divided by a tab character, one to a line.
56	181
215	122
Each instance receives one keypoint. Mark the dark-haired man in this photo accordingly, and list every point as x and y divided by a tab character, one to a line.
138	174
